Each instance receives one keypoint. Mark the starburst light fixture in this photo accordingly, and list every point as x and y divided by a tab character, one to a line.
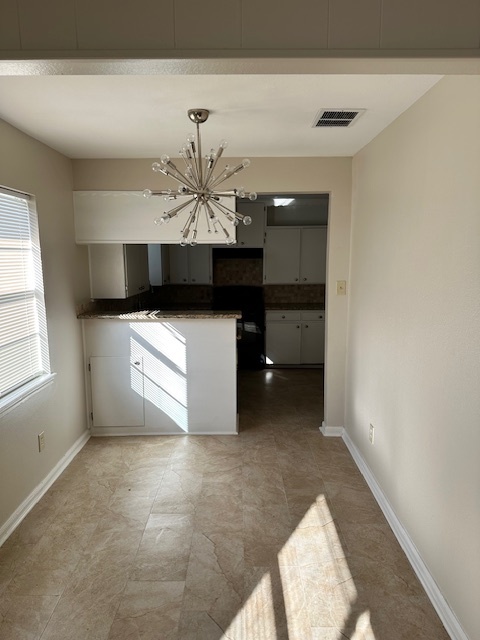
200	187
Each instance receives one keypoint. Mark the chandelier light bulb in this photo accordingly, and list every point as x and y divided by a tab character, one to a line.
246	163
156	166
183	242
230	240
223	144
252	196
158	221
191	138
165	159
147	193
247	220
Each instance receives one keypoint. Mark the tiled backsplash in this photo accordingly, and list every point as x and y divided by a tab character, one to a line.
244	271
294	294
226	272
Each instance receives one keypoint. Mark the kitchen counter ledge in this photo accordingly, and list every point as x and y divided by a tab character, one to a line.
160	315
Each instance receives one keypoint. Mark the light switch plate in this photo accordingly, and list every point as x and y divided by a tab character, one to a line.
341	287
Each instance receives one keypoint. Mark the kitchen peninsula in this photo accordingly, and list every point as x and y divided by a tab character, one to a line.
161	373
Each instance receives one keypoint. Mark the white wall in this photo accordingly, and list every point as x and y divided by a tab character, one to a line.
271	175
59	409
414	330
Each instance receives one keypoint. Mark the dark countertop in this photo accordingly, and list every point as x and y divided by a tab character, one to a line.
159	315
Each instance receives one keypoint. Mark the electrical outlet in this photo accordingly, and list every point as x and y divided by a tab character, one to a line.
371	434
41	441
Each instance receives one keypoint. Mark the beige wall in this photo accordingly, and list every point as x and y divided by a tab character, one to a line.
58	409
171	28
271	175
414	330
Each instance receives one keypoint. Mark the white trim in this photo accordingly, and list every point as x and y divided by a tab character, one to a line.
27	505
331	432
21	394
445	612
139	431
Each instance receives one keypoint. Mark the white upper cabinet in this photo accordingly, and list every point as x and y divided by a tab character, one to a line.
252	235
295	255
127	217
190	265
282	256
117	270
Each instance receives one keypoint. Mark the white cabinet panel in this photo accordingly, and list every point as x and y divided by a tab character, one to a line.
282	256
295	337
117	391
190	265
251	235
117	270
312	350
295	255
127	217
313	253
178	258
283	342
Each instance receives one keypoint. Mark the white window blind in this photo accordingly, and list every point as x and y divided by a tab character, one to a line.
23	326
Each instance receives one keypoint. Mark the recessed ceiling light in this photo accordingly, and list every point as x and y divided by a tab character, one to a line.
282	202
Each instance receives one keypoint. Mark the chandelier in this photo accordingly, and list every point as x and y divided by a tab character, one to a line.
199	188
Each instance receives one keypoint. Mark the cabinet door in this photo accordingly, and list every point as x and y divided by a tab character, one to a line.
117	391
252	235
282	256
136	260
313	256
107	270
199	264
283	342
313	343
178	258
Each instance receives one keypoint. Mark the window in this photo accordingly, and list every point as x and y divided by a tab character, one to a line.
23	327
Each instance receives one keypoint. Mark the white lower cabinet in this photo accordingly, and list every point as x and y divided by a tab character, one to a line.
295	337
117	391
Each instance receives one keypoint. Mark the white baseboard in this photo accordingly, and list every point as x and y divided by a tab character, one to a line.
27	505
126	431
333	432
447	616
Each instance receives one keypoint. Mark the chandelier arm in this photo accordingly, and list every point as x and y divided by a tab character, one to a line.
176	210
226	176
188	224
224	209
207	217
189	166
182	179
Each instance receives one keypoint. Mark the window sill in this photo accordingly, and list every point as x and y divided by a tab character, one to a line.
18	396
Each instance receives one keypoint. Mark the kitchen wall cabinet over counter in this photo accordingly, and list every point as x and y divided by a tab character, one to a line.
295	337
190	265
118	270
295	255
251	236
127	217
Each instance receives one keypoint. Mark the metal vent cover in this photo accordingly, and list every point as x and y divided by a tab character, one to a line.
337	117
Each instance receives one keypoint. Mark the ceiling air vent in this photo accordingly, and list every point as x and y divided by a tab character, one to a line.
337	117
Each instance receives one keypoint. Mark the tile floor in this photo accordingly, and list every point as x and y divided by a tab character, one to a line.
269	535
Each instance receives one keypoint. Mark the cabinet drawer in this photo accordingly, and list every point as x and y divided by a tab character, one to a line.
278	316
313	315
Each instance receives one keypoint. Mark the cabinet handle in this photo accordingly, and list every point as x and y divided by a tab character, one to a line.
298	326
242	242
306	326
137	363
283	317
184	279
304	279
193	280
296	279
141	288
